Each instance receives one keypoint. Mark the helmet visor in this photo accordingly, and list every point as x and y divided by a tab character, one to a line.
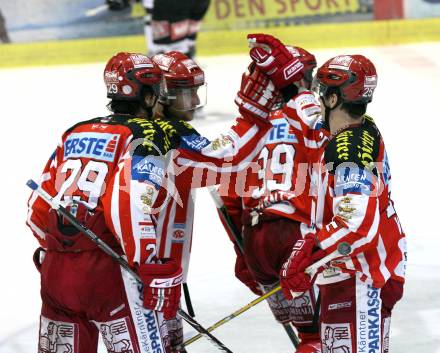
188	98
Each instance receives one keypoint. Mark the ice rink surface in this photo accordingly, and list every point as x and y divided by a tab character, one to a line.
38	104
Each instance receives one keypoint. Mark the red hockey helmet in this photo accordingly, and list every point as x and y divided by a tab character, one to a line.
306	58
354	75
183	84
126	73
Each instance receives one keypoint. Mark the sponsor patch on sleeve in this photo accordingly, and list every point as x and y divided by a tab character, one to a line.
350	178
149	168
194	142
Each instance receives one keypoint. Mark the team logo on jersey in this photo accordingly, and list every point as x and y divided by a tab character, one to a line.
179	232
220	142
281	132
95	145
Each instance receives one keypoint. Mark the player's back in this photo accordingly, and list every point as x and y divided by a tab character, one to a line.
356	177
86	159
282	168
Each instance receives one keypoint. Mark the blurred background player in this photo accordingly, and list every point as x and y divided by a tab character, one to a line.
172	25
195	162
83	290
4	37
269	204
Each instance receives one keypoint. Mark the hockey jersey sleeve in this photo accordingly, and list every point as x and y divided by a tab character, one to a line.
38	209
130	194
146	178
303	112
352	190
200	162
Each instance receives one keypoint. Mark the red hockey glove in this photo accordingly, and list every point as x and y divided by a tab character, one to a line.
292	275
273	58
243	274
162	286
257	95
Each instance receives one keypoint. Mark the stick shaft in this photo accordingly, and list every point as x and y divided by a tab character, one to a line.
115	256
309	270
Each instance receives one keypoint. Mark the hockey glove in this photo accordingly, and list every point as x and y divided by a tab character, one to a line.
162	286
257	95
273	58
243	275
292	275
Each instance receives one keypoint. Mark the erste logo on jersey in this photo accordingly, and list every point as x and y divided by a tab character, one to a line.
95	145
280	132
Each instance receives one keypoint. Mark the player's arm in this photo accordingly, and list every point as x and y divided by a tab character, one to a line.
128	209
355	185
127	205
303	112
353	189
38	209
229	153
205	161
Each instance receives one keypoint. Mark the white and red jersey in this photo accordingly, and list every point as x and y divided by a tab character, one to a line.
353	205
84	162
134	192
283	165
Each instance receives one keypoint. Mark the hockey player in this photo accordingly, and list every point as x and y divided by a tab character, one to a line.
172	25
161	187
84	291
353	205
272	203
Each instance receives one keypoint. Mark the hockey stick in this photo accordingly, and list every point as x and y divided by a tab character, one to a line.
118	258
223	211
342	250
188	302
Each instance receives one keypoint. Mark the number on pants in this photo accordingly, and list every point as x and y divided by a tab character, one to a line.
90	181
